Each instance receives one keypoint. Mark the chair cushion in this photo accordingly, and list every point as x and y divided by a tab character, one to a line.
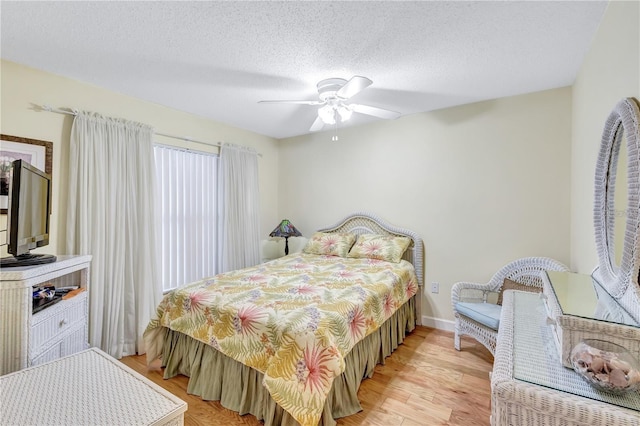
508	284
486	314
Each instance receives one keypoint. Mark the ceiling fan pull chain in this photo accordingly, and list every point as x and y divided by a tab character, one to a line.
334	138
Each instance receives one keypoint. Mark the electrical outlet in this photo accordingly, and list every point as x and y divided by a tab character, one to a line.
435	287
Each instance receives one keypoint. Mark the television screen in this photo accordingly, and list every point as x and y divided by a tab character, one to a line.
29	210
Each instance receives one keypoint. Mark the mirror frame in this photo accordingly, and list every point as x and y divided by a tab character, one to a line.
622	124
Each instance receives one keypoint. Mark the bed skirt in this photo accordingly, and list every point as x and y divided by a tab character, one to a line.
215	377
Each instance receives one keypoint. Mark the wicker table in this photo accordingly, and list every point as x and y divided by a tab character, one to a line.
86	388
529	385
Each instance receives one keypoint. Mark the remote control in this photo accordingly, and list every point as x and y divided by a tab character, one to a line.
67	288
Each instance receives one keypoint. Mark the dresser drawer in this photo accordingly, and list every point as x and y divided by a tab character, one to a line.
74	340
51	352
50	324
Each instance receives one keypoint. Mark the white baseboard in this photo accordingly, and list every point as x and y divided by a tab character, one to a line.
438	323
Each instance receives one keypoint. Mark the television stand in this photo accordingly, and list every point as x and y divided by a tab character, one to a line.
28	338
27	259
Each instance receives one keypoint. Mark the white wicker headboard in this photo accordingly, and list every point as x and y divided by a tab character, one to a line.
367	223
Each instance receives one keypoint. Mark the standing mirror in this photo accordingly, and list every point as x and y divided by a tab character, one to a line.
620	202
617	206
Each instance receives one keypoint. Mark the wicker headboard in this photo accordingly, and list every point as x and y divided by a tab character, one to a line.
367	223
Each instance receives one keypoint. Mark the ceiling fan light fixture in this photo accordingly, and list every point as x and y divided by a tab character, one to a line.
344	112
327	114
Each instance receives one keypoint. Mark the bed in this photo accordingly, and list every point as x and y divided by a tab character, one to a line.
290	340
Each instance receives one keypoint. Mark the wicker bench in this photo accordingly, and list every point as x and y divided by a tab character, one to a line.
86	388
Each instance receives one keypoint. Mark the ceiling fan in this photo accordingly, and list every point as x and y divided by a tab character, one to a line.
333	94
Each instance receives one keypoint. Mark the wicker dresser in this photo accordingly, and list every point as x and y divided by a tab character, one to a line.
86	388
530	386
28	339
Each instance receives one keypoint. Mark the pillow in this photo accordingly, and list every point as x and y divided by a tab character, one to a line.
508	284
330	243
381	247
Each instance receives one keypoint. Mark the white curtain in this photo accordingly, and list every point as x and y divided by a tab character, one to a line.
112	216
239	207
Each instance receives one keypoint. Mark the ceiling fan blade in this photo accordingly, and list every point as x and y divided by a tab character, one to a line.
353	87
317	125
292	102
376	112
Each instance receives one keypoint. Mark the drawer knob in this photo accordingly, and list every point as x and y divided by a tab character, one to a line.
63	322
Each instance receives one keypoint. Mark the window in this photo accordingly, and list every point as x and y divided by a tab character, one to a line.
187	198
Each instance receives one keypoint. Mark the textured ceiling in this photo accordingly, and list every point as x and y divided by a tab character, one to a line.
218	59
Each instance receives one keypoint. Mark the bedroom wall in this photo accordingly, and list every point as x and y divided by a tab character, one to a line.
22	88
609	73
483	184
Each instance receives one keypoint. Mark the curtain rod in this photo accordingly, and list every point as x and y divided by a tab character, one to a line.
74	112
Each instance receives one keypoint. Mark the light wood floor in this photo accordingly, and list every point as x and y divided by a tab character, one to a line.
424	382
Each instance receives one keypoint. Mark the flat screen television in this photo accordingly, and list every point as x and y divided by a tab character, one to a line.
29	208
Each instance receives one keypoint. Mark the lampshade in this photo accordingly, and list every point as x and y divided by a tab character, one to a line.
285	229
345	113
327	114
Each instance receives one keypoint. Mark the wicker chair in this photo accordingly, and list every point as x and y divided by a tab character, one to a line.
480	319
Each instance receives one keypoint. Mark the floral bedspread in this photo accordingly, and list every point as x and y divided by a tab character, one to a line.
294	319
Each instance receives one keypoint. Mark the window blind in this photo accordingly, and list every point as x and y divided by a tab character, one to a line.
187	194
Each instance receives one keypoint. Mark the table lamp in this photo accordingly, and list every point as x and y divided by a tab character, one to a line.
285	229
